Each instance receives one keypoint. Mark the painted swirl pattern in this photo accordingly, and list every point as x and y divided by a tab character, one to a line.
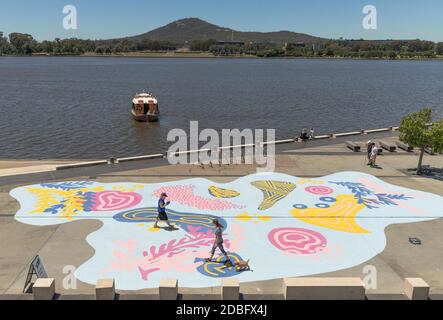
297	240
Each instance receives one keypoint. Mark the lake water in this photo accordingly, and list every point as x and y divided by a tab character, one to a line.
54	107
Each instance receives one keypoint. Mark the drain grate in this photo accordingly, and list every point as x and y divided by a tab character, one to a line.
415	241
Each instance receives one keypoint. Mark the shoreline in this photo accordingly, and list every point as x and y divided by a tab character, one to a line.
326	138
42	169
161	55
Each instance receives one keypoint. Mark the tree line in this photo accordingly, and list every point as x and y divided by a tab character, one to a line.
388	49
24	44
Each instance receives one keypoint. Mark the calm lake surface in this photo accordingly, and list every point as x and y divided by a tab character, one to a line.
80	107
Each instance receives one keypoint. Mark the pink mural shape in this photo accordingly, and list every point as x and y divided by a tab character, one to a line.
184	194
178	254
297	240
115	200
319	190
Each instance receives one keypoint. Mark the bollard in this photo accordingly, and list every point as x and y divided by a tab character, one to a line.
230	289
416	289
44	289
105	289
168	289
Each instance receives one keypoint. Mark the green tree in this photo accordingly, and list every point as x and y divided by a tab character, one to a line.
392	55
416	130
22	42
5	47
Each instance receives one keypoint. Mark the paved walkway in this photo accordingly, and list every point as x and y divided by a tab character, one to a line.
65	244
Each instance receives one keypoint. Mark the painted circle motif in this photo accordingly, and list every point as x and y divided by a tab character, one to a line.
300	206
115	200
322	205
319	190
328	199
297	240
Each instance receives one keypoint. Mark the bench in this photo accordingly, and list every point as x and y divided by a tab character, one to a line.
404	146
429	151
323	289
388	146
353	146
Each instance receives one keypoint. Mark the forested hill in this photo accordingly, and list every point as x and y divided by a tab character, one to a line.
198	36
190	29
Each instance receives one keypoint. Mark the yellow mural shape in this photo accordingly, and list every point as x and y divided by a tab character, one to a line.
245	216
273	191
340	216
222	193
73	199
123	188
313	181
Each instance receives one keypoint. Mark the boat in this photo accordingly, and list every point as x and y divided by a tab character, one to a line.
145	107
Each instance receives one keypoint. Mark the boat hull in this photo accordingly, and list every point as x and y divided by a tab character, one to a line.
144	117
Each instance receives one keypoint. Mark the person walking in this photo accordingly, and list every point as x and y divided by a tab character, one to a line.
374	153
311	134
304	134
161	209
369	148
218	243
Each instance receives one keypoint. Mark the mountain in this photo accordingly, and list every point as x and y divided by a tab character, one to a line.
189	29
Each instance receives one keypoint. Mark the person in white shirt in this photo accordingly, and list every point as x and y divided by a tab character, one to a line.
311	134
374	153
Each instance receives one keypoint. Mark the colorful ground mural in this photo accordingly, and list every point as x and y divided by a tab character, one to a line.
285	226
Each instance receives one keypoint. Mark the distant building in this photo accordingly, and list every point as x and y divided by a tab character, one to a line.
231	43
318	47
292	45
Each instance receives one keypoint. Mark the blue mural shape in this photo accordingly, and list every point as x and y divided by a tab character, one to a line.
181	219
218	268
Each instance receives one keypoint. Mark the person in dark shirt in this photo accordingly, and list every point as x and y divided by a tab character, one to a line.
218	243
370	145
304	134
161	209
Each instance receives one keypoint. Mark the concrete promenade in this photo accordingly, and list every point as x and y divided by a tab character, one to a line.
65	244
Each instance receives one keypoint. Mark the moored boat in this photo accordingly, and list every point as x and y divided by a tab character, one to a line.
145	107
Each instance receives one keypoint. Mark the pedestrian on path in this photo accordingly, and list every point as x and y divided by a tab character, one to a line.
369	146
311	134
218	243
161	209
374	153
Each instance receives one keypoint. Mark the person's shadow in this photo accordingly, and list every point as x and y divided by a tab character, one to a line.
376	166
169	229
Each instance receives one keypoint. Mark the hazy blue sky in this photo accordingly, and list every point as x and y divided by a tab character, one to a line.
397	19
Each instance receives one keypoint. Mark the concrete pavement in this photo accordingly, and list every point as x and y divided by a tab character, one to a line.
400	259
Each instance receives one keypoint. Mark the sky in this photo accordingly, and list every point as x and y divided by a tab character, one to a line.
104	19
